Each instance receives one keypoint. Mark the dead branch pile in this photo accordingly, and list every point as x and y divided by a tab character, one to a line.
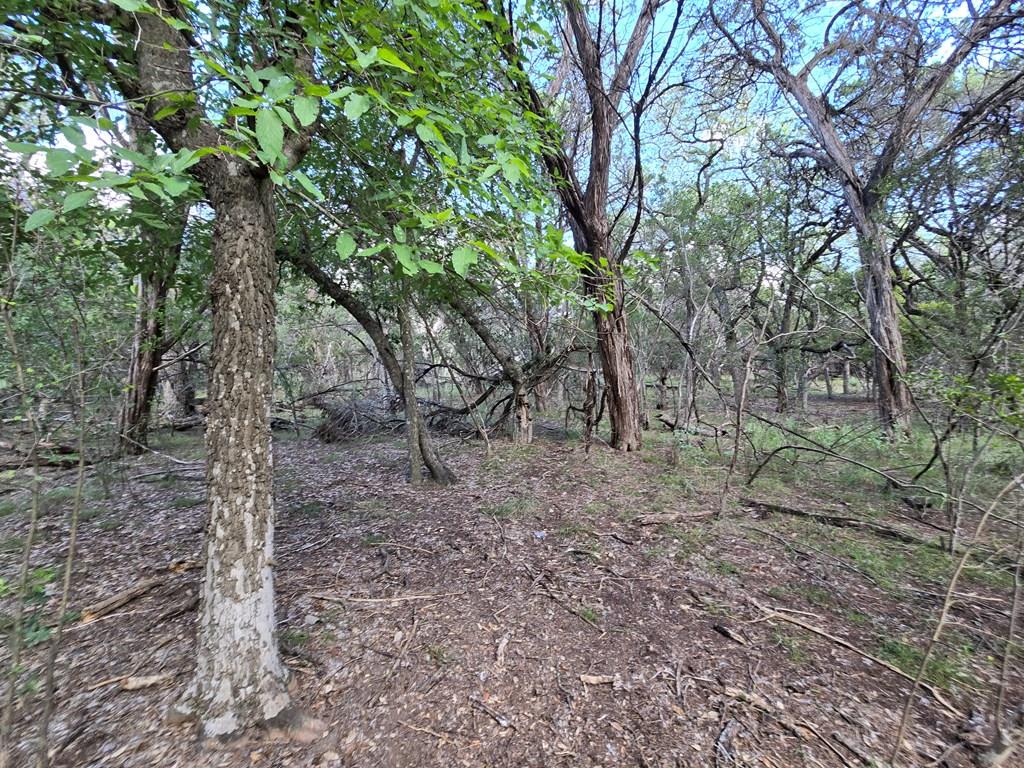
349	419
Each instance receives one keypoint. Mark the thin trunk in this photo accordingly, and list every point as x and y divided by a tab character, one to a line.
802	388
828	380
240	680
354	306
661	389
522	429
846	377
412	411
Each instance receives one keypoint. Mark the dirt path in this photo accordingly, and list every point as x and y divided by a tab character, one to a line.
550	610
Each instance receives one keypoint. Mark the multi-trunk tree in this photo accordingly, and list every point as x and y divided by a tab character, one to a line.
863	96
608	64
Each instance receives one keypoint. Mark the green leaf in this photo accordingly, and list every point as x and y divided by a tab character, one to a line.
166	111
270	133
306	109
77	199
59	161
286	117
430	267
389	57
427	132
373	250
399	233
23	148
73	134
39	218
176	186
356	106
130	5
463	258
308	185
177	24
405	258
366	59
345	245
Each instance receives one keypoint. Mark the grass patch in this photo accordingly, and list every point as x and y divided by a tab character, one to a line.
186	502
794	647
677	482
511	508
814	595
945	667
589	613
307	509
575	529
724	567
294	638
439	655
10	507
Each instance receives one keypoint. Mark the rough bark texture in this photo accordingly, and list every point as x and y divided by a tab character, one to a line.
179	391
890	363
146	353
620	384
587	206
240	680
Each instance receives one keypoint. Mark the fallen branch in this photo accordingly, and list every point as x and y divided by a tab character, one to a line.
838	521
771	614
396	599
109	605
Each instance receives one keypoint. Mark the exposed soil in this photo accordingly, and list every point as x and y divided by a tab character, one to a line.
552	609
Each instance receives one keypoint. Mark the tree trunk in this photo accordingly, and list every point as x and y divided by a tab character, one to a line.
147	350
661	388
828	380
802	383
386	353
179	391
522	425
541	391
240	680
890	364
846	376
613	344
412	411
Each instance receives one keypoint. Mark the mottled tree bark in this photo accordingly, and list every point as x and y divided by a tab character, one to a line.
179	391
240	679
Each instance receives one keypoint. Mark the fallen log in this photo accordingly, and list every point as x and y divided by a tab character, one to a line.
841	522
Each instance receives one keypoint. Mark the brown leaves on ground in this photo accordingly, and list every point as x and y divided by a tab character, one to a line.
552	609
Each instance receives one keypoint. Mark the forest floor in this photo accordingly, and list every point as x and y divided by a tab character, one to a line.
552	609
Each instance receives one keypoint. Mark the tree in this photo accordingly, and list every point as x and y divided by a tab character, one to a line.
890	69
587	204
240	680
